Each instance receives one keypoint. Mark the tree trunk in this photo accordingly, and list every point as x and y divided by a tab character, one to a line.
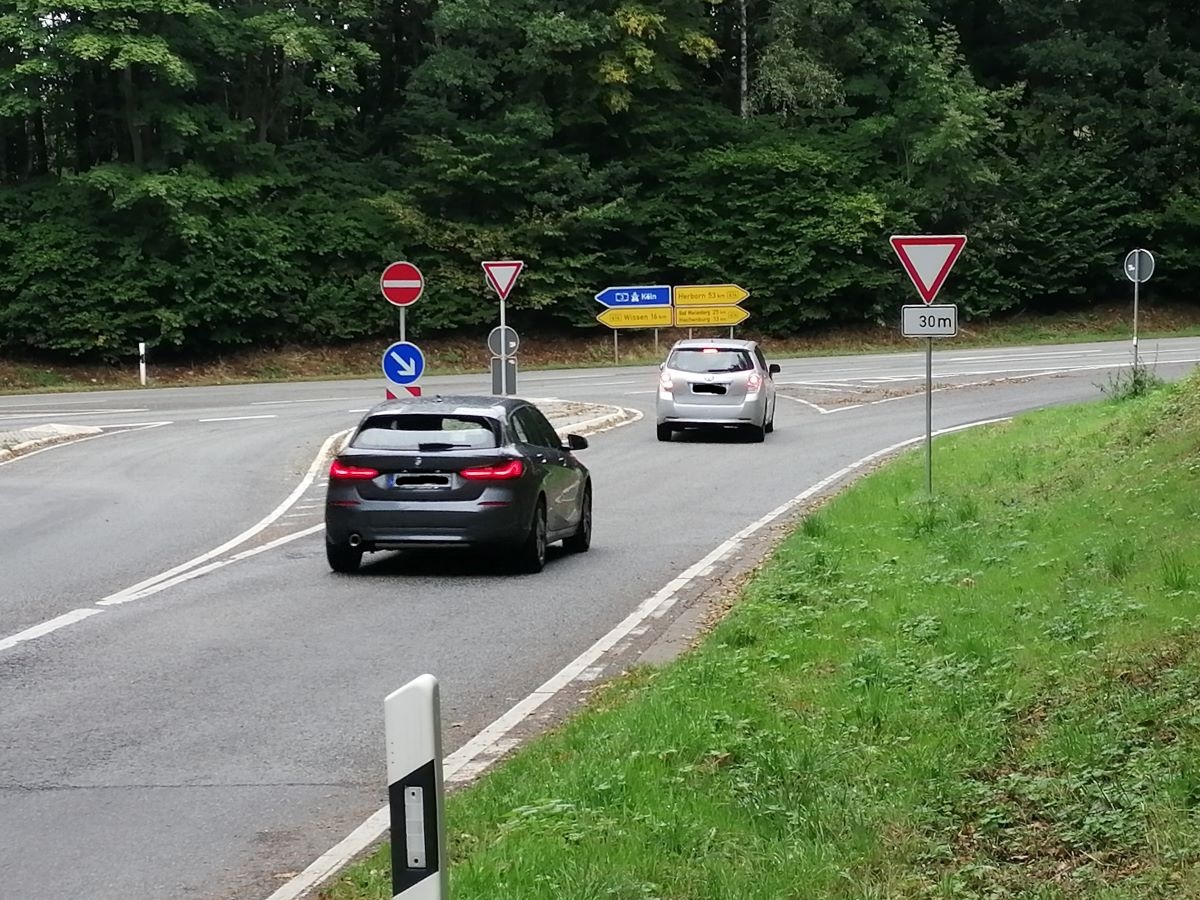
135	132
744	88
41	153
84	109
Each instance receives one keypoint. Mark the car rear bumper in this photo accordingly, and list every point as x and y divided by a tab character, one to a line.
388	525
751	411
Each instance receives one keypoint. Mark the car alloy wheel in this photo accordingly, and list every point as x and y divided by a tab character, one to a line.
581	540
532	556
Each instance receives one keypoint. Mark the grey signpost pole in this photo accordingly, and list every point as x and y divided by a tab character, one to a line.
503	352
929	416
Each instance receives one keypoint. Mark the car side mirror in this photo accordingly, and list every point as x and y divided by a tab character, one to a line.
774	369
576	442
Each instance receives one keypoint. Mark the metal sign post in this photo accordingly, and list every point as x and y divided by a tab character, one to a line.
928	259
1139	266
929	416
402	285
502	275
412	722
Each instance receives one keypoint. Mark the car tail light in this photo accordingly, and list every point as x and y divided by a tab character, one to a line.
514	468
339	471
754	383
665	383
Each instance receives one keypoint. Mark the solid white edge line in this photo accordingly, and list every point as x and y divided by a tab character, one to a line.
261	525
37	631
213	566
458	765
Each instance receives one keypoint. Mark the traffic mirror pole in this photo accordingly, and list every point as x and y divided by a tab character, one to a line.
1136	285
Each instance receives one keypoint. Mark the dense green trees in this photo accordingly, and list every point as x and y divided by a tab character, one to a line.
205	173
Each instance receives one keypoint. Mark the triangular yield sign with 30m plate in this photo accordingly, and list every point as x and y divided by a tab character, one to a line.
502	275
928	259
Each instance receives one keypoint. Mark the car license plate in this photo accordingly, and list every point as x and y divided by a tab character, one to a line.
421	482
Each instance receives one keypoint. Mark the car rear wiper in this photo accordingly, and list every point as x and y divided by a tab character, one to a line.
434	447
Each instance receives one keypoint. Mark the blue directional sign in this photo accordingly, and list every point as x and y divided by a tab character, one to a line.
403	363
625	297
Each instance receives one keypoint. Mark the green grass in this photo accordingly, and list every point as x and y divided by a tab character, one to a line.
992	694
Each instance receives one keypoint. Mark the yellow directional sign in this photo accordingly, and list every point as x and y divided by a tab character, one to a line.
701	316
634	317
709	295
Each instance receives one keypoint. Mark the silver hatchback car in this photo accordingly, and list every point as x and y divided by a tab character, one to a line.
716	384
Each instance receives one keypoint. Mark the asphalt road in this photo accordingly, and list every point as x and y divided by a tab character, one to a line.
215	734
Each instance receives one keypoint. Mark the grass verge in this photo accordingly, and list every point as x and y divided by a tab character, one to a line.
992	694
463	355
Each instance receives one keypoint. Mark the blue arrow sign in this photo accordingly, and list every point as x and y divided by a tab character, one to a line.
624	297
403	363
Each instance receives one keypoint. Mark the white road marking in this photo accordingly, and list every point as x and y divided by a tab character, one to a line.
465	762
824	390
838	387
639	393
238	418
290	402
819	409
205	569
37	631
79	412
130	593
1000	357
146	425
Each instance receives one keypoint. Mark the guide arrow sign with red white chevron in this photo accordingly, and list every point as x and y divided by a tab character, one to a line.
928	259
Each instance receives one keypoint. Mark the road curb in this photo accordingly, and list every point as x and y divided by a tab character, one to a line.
25	447
587	427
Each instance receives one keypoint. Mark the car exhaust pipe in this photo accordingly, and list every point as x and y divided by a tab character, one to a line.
355	540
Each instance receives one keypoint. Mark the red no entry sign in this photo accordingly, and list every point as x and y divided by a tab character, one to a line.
402	284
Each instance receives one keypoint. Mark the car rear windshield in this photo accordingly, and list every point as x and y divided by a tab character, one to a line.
710	360
427	432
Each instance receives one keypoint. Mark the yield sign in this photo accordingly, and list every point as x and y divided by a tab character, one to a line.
928	259
502	275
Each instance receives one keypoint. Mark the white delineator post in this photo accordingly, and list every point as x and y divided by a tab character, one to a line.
142	362
412	721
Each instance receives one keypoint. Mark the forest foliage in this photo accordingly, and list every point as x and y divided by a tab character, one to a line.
204	174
